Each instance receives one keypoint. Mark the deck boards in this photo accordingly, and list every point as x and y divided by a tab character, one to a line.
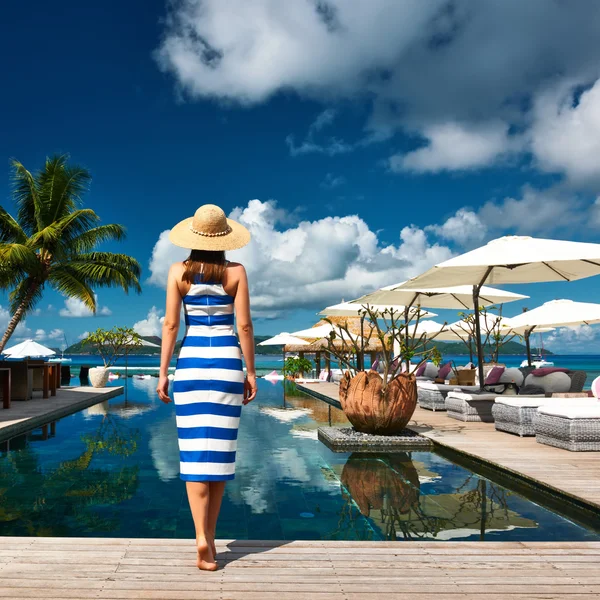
24	415
575	474
79	568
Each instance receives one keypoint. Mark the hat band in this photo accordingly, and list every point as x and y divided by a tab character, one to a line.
206	234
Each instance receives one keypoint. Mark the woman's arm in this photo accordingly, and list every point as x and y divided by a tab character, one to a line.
169	331
246	334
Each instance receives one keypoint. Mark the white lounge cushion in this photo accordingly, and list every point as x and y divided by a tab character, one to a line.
471	396
512	375
431	371
558	382
584	408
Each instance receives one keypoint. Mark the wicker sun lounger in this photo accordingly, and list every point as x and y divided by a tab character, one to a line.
573	424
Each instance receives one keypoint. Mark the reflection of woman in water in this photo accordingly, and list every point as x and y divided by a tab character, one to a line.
209	386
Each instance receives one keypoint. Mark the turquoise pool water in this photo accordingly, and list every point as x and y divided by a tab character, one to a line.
112	470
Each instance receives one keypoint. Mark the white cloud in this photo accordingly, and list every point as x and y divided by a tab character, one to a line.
536	212
332	181
460	74
75	308
152	324
464	227
457	146
83	335
314	263
566	132
164	254
41	335
21	331
573	339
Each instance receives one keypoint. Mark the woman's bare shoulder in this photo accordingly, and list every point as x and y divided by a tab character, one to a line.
177	268
235	269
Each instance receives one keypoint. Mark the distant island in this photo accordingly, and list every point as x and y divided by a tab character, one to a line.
510	348
81	348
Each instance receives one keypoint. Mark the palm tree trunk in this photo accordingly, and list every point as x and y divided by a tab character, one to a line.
16	318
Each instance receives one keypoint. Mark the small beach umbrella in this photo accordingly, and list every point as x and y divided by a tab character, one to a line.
556	313
284	339
352	309
511	259
28	349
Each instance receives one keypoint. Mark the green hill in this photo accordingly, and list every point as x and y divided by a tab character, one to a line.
81	348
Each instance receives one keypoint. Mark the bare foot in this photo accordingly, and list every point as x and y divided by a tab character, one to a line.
214	548
206	557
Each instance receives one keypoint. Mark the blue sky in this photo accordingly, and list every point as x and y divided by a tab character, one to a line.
360	142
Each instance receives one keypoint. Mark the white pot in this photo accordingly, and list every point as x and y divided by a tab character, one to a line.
98	377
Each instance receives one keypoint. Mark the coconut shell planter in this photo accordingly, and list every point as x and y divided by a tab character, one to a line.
375	410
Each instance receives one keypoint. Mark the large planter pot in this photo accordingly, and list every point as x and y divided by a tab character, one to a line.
370	409
98	377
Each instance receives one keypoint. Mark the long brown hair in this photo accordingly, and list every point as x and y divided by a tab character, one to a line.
206	266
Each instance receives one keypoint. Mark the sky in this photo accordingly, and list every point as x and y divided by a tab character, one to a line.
360	142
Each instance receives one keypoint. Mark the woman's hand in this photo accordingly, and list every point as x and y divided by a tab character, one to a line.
162	389
250	389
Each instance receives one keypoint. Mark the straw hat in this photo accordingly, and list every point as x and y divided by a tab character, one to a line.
209	229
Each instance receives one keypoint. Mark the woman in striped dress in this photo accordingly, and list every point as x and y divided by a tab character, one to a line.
209	387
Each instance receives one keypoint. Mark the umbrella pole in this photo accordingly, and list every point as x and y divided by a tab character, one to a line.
476	290
528	345
478	335
361	360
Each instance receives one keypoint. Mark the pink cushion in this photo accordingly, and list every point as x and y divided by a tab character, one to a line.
547	370
420	370
493	377
445	371
596	388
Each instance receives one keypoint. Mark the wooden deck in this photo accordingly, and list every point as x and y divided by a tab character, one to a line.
574	474
24	415
78	568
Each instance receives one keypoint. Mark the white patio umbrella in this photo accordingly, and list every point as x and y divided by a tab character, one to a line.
28	349
353	309
512	259
459	297
283	339
556	313
322	331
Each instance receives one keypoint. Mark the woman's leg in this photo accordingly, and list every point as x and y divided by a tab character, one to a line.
199	499
217	488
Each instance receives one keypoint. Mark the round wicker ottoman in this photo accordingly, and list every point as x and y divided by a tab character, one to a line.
573	424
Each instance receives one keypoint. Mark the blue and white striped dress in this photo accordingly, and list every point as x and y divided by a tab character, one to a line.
208	387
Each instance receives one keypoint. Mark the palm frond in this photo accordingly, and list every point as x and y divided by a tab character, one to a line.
28	292
10	230
67	280
107	269
56	237
26	196
20	257
61	187
88	240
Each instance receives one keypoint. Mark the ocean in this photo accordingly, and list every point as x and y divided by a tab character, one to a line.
149	365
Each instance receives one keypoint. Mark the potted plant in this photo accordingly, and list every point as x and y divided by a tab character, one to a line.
382	404
110	344
294	367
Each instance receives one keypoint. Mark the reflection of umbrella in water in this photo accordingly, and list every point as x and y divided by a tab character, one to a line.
388	491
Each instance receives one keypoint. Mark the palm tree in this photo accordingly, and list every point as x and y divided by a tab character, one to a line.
53	241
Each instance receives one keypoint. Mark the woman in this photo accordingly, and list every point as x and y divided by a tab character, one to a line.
209	387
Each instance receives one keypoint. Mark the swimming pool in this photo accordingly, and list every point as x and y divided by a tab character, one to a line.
112	470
